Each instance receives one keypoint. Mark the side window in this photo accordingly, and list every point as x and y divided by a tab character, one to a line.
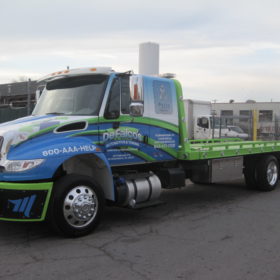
125	95
203	122
136	108
136	89
113	106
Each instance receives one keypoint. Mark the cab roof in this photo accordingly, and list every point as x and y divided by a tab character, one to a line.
77	72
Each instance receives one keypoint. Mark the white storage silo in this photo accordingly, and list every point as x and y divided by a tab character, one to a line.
149	58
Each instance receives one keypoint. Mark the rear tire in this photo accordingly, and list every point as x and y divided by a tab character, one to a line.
267	173
262	173
76	205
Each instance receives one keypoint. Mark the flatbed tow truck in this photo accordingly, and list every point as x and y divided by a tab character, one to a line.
98	137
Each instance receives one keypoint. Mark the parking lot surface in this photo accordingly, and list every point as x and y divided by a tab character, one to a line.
221	231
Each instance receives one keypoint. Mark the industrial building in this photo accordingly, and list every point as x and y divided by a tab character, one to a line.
17	100
267	111
16	94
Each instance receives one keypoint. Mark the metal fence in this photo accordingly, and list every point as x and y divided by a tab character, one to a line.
268	130
265	129
10	113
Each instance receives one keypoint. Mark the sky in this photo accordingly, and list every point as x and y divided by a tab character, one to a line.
219	50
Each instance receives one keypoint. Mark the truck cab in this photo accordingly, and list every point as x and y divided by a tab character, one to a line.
92	124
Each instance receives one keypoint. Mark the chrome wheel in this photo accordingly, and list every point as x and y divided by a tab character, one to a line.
272	173
80	206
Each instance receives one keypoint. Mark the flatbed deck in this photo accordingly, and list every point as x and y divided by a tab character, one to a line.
218	148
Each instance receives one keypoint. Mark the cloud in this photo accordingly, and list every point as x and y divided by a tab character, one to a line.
218	49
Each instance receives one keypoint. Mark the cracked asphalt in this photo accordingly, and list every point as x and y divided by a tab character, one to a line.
200	232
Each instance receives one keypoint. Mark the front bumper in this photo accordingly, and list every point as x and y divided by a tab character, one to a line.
24	201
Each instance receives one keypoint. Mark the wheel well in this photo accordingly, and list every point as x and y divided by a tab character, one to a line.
252	159
92	166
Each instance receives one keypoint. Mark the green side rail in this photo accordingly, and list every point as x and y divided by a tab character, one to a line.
215	148
221	149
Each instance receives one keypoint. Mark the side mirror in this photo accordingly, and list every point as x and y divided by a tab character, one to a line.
136	109
136	88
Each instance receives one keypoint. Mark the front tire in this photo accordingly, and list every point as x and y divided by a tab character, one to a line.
76	205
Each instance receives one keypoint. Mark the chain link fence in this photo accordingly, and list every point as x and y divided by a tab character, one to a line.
244	126
9	113
268	130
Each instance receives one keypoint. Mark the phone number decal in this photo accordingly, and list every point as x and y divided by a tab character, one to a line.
69	150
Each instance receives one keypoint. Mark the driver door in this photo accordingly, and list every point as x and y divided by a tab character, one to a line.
119	135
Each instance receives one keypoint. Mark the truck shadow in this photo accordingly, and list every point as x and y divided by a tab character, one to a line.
187	200
193	198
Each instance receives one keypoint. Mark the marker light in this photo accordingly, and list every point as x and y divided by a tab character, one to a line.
77	72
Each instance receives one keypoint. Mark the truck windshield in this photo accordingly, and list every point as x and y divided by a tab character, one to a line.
80	95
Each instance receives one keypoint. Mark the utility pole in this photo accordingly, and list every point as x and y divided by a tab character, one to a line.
255	125
28	97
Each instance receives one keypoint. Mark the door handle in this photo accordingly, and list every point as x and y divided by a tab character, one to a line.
146	139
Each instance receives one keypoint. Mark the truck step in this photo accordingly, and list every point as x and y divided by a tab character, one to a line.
148	204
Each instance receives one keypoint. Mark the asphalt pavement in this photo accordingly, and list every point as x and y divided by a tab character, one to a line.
220	231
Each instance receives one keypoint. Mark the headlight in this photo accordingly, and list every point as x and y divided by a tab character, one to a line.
21	165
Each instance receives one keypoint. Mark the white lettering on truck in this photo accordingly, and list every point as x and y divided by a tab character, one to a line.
69	149
122	134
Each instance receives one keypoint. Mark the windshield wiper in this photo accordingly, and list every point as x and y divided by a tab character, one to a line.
55	113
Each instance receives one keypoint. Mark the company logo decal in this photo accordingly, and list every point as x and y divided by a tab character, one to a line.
23	205
163	97
122	134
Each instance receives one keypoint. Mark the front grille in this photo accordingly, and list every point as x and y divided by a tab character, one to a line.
22	204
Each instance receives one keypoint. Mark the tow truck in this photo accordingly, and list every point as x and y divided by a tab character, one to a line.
98	137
